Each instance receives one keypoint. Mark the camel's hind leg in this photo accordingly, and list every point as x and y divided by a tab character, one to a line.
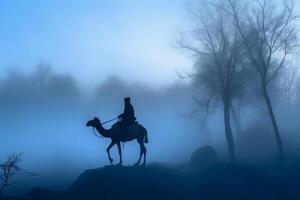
108	151
142	152
120	152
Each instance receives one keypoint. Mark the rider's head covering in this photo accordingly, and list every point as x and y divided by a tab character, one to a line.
127	99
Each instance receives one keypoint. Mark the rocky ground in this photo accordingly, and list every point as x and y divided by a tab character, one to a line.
212	180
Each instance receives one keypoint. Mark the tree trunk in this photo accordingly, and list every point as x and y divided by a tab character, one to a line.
2	189
236	120
274	123
228	131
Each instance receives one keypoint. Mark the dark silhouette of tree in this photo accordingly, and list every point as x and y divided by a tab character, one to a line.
9	169
269	34
218	73
235	112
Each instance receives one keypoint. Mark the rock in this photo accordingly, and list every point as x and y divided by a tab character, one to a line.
204	157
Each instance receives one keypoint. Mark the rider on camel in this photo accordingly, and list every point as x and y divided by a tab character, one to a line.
127	117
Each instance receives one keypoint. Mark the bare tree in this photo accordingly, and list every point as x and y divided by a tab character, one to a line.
217	48
235	112
269	35
9	169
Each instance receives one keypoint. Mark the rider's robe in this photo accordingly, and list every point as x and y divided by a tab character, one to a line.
128	114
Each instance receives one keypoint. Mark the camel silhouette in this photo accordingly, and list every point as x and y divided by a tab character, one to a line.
119	134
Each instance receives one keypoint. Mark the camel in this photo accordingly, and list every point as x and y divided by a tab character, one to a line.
119	134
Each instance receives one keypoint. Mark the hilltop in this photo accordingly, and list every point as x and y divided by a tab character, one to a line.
157	181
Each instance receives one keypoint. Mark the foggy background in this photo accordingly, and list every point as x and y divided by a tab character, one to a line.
44	115
97	53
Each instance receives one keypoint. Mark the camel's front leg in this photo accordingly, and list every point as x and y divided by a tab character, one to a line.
120	152
108	149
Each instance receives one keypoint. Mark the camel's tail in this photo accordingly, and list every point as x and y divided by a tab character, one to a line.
146	137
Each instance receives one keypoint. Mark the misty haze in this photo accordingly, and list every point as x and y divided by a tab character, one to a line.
215	84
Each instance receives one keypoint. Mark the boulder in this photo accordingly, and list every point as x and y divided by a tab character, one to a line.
204	157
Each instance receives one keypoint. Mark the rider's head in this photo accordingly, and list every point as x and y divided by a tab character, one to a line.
127	100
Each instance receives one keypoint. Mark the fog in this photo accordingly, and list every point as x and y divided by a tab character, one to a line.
44	115
101	52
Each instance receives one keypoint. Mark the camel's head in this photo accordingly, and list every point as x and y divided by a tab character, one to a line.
93	122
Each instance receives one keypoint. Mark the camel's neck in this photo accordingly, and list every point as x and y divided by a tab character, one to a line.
102	131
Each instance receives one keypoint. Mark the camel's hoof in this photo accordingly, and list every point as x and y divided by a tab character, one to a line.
111	161
136	164
119	164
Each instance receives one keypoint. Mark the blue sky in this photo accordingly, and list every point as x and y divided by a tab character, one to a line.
94	39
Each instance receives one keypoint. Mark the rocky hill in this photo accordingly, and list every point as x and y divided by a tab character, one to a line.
187	181
221	181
